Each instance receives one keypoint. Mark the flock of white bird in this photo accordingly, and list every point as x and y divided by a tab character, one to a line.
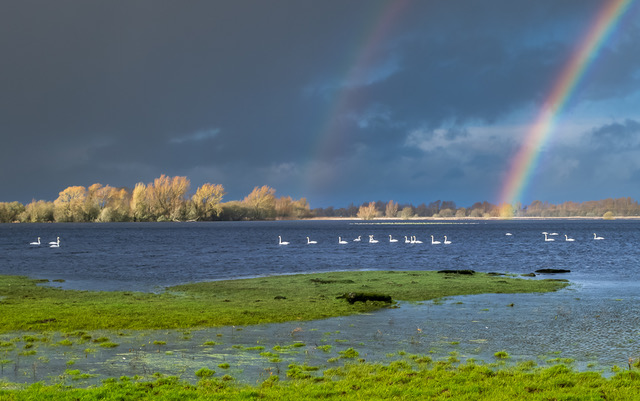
407	240
414	240
52	244
566	237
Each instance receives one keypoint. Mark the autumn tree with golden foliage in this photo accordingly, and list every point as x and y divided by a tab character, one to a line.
261	202
391	209
368	212
69	206
206	202
167	197
38	212
140	205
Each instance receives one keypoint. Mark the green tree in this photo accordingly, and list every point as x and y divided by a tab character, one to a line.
406	213
301	209
10	211
234	211
446	213
38	212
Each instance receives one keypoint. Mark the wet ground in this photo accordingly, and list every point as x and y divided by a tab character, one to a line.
590	326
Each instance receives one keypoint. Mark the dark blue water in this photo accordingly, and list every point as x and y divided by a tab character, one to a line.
148	256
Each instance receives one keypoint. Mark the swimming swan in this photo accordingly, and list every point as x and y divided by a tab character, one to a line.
311	242
340	241
35	243
415	240
406	240
434	242
596	237
445	240
566	238
548	239
359	238
391	239
372	241
57	242
280	242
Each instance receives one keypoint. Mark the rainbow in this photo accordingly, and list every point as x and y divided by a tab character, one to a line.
525	160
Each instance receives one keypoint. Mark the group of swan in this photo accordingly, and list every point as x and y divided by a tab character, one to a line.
566	237
52	244
372	240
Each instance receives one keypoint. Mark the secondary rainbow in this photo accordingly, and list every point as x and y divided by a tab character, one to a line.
525	160
333	132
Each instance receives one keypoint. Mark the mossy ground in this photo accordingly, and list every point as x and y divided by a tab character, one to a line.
409	379
26	306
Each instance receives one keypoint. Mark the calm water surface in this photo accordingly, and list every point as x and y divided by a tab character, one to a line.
596	321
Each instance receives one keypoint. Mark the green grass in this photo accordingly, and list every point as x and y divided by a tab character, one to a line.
398	380
29	307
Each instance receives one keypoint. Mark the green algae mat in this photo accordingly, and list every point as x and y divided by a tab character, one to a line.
26	305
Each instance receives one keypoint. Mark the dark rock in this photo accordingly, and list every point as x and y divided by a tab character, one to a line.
354	297
457	271
552	271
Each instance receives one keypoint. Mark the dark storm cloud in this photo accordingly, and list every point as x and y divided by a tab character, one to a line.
240	93
617	136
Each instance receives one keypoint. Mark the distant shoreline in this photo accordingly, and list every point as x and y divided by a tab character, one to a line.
476	218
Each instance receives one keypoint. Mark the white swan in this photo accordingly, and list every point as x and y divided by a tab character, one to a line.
433	242
596	237
446	241
406	240
35	243
57	242
548	239
372	241
416	240
566	238
508	234
391	239
553	234
359	238
309	242
280	242
340	241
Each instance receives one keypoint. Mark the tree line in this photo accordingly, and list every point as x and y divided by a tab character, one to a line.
445	209
164	199
168	199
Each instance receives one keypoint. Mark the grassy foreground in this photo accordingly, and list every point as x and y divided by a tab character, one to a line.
26	306
411	379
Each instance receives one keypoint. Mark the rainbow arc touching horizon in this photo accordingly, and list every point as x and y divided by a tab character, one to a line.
525	160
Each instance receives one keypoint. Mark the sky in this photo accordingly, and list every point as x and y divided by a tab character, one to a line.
334	101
